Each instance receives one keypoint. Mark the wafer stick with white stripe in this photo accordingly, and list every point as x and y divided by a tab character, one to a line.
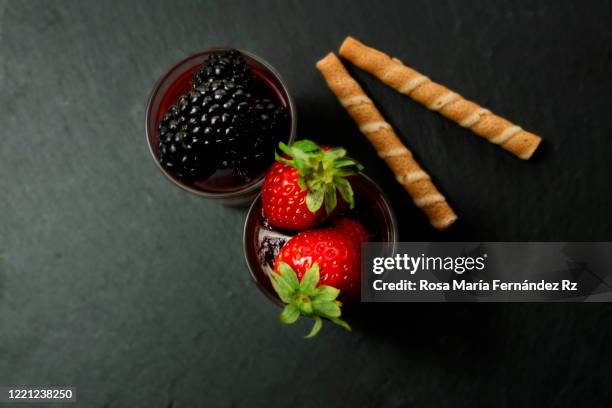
388	146
436	97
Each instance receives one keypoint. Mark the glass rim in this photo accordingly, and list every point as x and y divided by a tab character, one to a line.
388	208
241	191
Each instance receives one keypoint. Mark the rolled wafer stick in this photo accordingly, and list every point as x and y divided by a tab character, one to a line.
388	146
436	97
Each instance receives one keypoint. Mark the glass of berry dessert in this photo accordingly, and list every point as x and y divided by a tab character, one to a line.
213	121
303	233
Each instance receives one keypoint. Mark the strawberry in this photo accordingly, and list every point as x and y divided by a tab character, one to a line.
299	190
351	229
316	266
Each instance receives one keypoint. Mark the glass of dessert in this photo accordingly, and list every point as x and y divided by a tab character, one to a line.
303	234
213	121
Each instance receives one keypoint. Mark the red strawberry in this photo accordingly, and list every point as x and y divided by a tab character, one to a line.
336	254
351	229
314	267
299	191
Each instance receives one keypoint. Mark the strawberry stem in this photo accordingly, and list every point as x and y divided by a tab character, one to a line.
306	298
323	173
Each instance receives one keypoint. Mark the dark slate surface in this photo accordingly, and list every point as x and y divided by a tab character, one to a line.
119	283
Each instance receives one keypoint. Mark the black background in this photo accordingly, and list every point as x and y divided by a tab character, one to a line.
136	292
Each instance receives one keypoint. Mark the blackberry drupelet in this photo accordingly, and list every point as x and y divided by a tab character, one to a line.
207	122
224	65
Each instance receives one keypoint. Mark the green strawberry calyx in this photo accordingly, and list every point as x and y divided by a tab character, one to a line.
323	172
306	298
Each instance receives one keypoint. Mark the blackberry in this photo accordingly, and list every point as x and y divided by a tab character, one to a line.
175	155
270	117
224	65
197	133
218	124
269	125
